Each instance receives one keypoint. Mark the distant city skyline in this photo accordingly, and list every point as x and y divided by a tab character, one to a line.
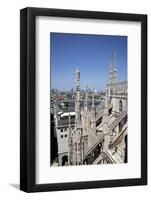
91	54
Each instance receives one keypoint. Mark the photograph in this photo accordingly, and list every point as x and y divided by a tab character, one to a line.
88	99
83	119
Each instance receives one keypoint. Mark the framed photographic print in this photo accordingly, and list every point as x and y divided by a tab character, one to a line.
83	99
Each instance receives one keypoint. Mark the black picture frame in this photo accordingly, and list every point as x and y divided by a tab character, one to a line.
28	98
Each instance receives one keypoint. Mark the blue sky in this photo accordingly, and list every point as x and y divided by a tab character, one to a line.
91	54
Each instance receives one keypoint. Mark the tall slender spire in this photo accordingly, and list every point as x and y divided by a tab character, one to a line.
114	72
77	151
115	68
77	101
93	100
93	114
111	72
86	101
